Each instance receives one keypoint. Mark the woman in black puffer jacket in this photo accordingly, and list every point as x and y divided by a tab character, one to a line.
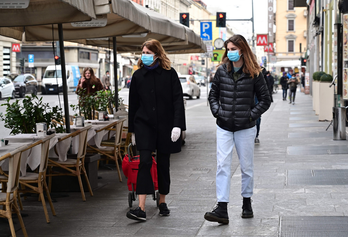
232	101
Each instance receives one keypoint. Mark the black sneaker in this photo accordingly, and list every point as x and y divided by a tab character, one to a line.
219	214
164	211
247	210
137	214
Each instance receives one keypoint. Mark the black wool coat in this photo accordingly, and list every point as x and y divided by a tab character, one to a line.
156	106
233	102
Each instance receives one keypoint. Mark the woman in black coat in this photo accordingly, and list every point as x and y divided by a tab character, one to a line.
232	101
156	118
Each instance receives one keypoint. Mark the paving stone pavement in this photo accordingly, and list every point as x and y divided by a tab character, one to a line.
299	186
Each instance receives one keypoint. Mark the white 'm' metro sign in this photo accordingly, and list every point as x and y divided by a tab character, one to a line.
270	21
261	40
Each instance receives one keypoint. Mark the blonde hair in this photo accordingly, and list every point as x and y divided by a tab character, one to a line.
156	47
250	64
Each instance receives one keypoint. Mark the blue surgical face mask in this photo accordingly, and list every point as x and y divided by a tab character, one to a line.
233	55
147	59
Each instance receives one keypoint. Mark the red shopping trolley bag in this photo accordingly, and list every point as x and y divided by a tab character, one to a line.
130	167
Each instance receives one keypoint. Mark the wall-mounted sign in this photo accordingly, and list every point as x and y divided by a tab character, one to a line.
261	40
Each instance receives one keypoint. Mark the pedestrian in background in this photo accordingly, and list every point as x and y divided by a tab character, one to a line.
284	82
293	87
156	118
271	83
106	81
232	102
89	82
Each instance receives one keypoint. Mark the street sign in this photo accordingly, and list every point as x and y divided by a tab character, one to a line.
30	58
272	59
206	30
269	48
16	48
217	55
261	40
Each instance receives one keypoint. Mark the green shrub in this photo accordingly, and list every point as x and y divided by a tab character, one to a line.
326	78
317	75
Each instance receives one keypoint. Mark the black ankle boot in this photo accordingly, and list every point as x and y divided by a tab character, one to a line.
219	214
247	210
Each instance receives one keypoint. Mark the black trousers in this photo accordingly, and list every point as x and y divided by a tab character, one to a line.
144	179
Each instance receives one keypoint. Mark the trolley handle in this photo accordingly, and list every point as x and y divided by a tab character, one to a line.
128	149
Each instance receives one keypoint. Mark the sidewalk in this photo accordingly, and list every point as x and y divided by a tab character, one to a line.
301	178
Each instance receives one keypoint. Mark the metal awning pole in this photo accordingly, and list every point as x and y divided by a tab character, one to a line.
65	88
115	72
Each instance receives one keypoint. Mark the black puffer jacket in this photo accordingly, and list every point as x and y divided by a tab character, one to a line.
233	102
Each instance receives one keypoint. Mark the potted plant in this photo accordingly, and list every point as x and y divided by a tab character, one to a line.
326	98
89	105
316	78
22	115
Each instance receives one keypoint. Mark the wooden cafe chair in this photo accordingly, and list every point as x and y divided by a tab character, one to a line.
39	179
75	164
8	199
112	152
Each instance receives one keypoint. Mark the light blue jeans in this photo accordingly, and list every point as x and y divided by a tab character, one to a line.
244	142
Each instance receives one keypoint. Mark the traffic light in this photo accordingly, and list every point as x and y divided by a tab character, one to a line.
203	62
221	19
57	60
21	62
303	61
185	19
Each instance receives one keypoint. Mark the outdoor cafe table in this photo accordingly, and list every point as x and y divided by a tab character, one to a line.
9	148
97	137
32	157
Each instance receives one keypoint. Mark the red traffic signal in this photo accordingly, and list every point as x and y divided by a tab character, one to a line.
185	19
56	59
221	19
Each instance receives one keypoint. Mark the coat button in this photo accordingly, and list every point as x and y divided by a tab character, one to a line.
151	91
153	108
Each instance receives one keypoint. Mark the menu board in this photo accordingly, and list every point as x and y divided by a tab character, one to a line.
345	57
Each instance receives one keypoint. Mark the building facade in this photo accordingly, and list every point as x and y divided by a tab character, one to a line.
291	33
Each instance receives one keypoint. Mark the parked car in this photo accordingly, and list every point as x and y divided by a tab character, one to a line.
189	86
200	80
6	88
25	84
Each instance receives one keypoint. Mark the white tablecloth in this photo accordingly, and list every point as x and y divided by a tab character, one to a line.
31	157
97	137
7	149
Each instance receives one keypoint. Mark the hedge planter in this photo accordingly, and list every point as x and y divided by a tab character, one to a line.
315	92
326	101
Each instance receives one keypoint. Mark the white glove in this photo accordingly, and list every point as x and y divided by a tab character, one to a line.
176	134
133	139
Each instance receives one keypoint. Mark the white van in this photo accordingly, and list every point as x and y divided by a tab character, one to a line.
52	79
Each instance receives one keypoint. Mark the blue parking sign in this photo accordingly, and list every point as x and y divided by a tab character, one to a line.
206	31
30	58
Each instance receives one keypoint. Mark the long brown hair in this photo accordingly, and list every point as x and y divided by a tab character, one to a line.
93	79
156	47
250	64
